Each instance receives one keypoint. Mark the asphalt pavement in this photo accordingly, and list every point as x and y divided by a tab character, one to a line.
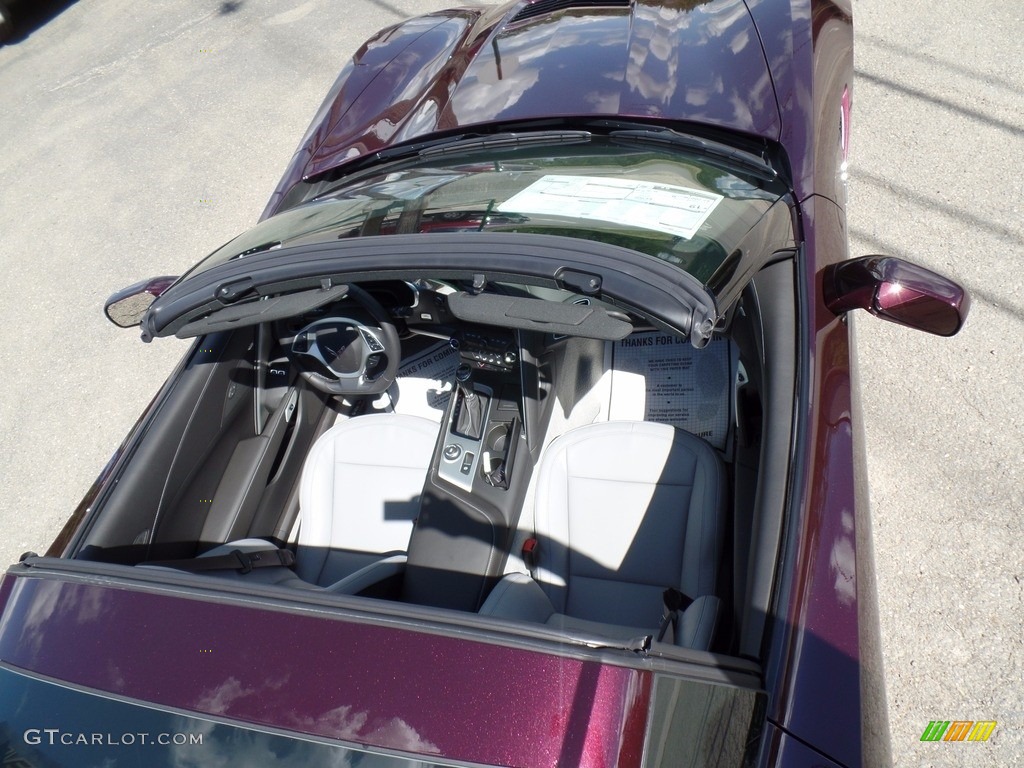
137	137
938	149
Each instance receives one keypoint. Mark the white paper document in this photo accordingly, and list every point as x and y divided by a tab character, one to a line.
668	208
659	377
425	382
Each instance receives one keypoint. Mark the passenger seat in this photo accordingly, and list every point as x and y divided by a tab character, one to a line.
623	511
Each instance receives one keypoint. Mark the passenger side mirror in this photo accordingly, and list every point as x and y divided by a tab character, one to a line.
126	308
897	291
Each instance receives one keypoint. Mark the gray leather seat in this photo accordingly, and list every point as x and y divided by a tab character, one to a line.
623	511
360	493
358	497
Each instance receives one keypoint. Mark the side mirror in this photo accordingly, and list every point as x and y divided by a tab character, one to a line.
898	291
126	308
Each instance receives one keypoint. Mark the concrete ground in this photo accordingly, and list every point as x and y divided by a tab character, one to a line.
137	137
938	147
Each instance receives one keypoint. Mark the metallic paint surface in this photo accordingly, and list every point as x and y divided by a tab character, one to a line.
815	666
782	749
809	48
824	647
697	62
666	61
901	292
370	684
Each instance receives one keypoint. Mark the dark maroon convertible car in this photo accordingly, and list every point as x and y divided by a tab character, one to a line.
521	431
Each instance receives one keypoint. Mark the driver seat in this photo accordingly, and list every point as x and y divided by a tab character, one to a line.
359	495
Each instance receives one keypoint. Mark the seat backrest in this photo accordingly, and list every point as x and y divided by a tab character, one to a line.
360	493
624	510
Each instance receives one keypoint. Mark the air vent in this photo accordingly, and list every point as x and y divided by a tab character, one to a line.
542	7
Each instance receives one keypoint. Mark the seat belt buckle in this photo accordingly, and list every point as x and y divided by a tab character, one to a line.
530	553
675	602
244	561
287	557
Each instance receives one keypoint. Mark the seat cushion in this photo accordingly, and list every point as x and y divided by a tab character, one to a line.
624	510
520	598
360	493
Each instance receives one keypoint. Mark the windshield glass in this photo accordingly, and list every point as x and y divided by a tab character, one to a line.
677	206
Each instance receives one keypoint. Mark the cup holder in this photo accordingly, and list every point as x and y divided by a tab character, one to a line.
496	439
499	453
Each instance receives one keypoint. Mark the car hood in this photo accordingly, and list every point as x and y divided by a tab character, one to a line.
689	60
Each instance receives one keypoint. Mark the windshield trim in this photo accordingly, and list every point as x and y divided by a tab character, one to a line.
644	284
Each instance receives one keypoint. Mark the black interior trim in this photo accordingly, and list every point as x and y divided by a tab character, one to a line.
461	540
639	283
265	310
775	287
531	314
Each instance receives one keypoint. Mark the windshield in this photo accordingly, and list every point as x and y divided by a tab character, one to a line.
676	206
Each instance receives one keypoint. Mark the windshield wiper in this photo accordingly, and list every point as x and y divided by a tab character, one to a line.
451	145
506	140
464	142
736	158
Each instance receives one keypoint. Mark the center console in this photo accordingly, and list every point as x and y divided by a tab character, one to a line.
476	486
464	436
481	435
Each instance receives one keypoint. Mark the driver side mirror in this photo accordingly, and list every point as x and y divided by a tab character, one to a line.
126	308
897	291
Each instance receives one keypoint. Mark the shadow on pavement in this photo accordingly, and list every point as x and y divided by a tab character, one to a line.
20	18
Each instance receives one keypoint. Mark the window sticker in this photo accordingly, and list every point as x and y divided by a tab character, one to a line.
668	208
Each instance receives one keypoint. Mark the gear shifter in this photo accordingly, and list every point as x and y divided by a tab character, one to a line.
469	420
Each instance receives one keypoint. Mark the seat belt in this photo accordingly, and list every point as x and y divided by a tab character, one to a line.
235	560
675	603
529	555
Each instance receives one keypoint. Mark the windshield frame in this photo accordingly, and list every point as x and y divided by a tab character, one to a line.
639	283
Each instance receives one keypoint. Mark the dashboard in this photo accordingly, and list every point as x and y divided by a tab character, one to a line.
325	337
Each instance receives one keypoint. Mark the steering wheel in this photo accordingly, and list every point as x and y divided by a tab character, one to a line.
342	355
